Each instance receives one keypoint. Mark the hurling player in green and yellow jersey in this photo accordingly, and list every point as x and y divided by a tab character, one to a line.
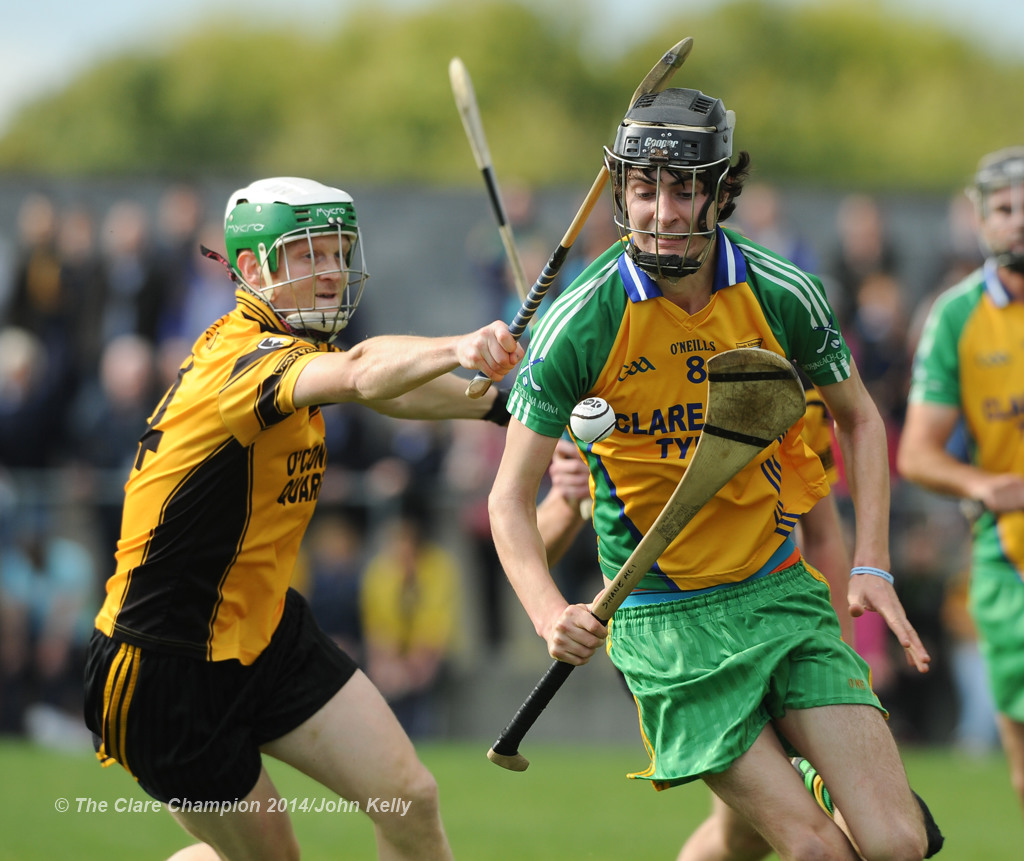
969	370
730	645
204	658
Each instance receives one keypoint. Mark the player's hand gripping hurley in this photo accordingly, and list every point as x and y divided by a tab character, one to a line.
657	79
754	397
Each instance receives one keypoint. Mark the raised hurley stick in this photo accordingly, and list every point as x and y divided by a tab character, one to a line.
754	397
465	101
655	81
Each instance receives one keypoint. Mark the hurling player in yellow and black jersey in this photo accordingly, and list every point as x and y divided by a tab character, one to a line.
204	658
969	372
730	645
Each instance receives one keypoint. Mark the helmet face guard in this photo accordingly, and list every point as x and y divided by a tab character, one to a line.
268	218
675	136
996	171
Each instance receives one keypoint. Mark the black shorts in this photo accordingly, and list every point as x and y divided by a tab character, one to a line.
190	729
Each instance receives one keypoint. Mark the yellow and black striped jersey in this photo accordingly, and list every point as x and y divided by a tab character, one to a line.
224	483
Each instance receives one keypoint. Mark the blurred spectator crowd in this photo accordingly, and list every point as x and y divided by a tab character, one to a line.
98	309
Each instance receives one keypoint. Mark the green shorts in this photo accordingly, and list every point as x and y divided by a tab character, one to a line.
997	607
709	672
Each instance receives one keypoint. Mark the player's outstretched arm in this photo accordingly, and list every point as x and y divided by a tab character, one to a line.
388	366
445	398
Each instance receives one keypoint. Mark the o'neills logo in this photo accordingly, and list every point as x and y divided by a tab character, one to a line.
660	143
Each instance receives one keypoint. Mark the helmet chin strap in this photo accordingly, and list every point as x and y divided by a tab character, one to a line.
1012	260
317	325
665	265
220	258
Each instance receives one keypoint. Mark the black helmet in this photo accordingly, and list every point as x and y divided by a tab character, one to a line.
687	133
680	128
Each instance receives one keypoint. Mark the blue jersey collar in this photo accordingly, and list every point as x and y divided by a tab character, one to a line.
999	295
730	268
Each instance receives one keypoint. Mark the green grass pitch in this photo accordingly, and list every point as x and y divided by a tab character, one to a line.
573	802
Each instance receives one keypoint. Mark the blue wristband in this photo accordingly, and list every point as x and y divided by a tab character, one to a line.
877	572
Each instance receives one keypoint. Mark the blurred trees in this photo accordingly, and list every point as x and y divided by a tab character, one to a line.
838	94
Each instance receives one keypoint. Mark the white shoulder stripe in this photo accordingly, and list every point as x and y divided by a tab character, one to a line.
730	250
792	279
635	280
807	298
567	306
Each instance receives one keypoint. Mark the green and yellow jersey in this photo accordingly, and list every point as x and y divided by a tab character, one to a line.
224	483
971	356
611	334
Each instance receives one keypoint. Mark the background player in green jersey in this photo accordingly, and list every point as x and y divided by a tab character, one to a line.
969	370
204	659
730	645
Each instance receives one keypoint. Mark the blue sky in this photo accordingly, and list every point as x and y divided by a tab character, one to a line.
45	43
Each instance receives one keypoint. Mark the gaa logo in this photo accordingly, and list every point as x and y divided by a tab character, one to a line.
640	366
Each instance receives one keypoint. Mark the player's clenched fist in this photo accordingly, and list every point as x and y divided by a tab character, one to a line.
491	350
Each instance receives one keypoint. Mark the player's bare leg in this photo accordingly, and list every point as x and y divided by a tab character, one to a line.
257	834
355	746
724	836
1011	732
864	775
764	788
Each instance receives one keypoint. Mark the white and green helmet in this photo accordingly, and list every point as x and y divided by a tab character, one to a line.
268	214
